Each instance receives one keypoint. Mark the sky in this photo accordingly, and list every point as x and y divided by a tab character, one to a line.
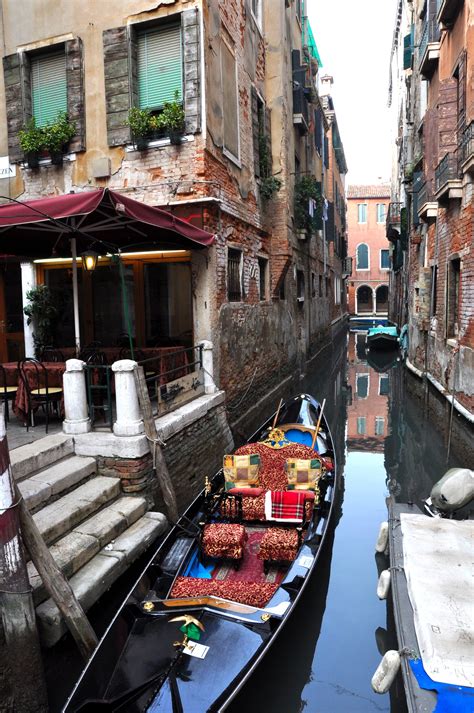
354	39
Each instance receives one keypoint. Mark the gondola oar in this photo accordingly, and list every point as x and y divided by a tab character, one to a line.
277	414
316	431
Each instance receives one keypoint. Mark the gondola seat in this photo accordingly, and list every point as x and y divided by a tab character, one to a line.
279	544
255	594
223	541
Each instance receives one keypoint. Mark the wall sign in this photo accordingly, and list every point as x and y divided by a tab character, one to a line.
7	169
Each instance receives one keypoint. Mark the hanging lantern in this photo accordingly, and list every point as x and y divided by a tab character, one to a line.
89	260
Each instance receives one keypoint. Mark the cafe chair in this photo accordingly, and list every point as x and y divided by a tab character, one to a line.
52	354
8	393
34	376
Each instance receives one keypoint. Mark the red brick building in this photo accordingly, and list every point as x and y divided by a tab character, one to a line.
369	248
431	221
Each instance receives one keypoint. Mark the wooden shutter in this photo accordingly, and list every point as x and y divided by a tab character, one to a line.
255	132
230	103
160	66
408	42
75	92
118	53
48	87
18	101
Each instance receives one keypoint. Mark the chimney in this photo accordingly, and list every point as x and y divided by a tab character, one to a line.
326	84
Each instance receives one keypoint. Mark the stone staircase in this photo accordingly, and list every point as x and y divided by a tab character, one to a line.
94	532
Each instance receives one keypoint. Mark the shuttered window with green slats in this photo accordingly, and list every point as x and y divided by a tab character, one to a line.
160	66
48	87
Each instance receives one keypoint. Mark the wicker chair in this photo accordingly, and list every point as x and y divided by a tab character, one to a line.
34	376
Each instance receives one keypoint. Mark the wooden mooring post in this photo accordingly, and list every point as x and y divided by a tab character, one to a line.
22	653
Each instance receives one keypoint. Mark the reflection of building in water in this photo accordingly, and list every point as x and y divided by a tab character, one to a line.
367	412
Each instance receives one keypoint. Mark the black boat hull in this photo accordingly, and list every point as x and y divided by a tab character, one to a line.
138	646
382	342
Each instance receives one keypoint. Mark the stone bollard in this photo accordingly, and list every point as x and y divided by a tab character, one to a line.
208	366
75	400
129	421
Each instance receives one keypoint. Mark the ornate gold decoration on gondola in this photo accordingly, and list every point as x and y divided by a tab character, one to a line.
148	606
191	629
276	439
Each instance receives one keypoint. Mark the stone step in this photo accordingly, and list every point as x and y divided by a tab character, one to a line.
98	575
35	456
63	515
49	483
79	546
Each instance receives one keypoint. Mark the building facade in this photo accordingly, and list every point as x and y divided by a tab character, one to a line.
430	221
257	161
369	249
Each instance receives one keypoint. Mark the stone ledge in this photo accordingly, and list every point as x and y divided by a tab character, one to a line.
108	445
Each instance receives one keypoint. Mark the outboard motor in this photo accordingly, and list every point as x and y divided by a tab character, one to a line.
452	492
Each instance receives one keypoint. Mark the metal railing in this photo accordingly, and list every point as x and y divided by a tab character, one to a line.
182	362
99	392
447	170
394	214
300	103
430	33
467	142
425	194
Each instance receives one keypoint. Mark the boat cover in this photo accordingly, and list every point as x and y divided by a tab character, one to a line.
390	331
438	566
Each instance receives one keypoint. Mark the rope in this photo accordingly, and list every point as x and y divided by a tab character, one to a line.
233	408
8	591
10	507
155	442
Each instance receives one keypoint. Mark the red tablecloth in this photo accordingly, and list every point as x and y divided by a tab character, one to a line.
55	372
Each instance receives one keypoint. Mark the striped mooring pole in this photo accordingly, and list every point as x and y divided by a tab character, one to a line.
23	669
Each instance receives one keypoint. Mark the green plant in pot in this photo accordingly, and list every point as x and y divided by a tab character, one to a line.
140	127
269	184
57	136
45	311
308	188
31	139
172	119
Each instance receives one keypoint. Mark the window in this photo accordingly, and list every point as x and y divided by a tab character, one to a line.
300	285
160	66
337	290
48	87
320	291
384	259
262	283
379	425
380	213
234	275
313	285
452	312
364	297
383	385
362	385
434	290
230	102
362	257
361	428
362	212
328	286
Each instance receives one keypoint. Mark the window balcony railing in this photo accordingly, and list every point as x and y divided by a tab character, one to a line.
300	108
426	205
447	11
428	50
393	221
447	170
467	148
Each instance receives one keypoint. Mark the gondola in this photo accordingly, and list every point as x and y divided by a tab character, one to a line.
199	620
382	337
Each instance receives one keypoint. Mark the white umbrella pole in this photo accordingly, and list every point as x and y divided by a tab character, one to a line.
75	297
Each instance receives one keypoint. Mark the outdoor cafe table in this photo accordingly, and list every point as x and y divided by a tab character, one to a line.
55	372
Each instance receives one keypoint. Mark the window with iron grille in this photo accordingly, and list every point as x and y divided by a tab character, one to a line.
234	275
262	270
452	311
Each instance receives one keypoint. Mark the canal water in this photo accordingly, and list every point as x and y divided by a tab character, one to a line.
388	439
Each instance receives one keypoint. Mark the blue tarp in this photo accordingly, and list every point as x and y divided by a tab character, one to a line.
451	699
390	331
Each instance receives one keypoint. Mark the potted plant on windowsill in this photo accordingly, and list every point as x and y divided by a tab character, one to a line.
172	119
308	188
31	139
57	136
140	127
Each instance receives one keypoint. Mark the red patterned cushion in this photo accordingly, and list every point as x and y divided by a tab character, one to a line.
255	594
223	540
279	544
272	473
248	492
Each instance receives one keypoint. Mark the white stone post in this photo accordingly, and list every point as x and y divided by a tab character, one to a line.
208	366
75	399
28	281
129	421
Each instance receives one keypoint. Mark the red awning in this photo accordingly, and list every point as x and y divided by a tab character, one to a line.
95	218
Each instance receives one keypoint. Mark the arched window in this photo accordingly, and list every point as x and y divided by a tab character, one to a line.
381	299
362	260
364	299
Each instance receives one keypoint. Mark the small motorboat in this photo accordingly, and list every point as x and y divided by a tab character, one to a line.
431	589
226	579
382	337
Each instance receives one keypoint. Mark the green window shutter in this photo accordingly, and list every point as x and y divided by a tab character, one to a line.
408	43
48	87
160	66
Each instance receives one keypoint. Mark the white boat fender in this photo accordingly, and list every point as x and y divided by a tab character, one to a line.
383	585
386	671
382	539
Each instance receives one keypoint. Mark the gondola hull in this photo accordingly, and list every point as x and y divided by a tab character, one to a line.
137	665
382	338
